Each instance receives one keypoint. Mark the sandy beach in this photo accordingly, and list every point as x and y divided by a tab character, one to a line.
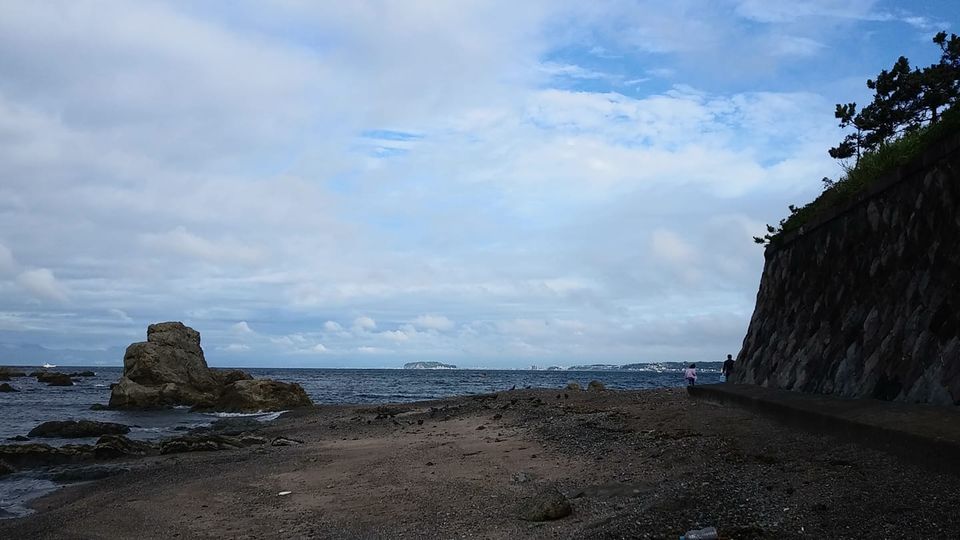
644	464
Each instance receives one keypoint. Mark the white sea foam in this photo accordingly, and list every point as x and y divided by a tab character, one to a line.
259	415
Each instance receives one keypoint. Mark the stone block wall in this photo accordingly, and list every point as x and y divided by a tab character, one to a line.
865	302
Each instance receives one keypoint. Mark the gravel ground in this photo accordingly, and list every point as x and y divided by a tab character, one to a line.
648	464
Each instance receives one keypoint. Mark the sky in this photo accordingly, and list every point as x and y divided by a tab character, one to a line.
493	184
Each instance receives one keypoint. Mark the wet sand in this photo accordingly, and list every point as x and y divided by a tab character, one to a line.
646	464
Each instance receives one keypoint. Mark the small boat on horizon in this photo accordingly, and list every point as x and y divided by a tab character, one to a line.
48	365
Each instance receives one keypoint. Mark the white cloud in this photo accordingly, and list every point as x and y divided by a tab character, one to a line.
236	348
241	328
672	248
364	324
120	314
433	322
319	348
42	284
332	326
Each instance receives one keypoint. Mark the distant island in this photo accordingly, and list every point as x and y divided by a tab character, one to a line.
428	365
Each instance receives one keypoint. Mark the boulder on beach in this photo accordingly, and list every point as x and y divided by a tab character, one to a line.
199	443
573	386
117	446
596	386
72	429
7	388
169	369
33	454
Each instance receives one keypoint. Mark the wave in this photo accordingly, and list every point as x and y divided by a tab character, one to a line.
262	416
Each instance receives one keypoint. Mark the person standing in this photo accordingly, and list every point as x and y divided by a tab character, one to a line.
727	368
691	375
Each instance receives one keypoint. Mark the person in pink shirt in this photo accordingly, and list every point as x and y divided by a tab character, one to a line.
691	375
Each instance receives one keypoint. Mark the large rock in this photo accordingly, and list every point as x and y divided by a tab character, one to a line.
166	370
169	369
7	388
260	395
72	429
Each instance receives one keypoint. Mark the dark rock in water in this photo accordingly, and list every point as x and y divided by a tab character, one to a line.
7	388
117	446
198	443
6	468
261	395
596	386
20	438
83	374
99	407
84	473
545	506
72	429
7	373
55	379
169	369
31	455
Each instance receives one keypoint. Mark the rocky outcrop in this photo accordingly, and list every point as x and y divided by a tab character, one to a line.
596	386
73	429
169	369
5	387
865	302
261	395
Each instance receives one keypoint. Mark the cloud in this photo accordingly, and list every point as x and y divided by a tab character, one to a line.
241	328
120	314
236	348
505	171
364	324
433	322
8	264
42	284
319	348
179	241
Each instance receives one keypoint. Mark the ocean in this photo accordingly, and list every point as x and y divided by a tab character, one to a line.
37	403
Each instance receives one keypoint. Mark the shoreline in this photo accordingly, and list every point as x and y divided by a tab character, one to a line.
632	464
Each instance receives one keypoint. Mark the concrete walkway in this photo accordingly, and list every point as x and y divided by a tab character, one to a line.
929	434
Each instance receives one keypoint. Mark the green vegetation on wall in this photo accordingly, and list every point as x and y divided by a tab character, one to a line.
911	109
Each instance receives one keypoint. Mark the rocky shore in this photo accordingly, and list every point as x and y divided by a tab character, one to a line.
524	463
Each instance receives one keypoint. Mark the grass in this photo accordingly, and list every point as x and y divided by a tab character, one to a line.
871	167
